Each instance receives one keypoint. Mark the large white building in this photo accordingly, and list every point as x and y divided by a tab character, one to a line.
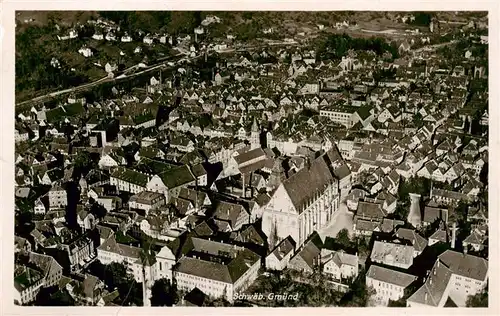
455	276
387	283
217	269
110	251
27	284
171	181
305	202
339	115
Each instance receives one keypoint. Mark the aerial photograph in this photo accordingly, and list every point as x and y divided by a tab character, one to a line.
251	158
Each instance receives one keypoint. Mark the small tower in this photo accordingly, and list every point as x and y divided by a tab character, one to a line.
415	216
83	185
278	175
255	135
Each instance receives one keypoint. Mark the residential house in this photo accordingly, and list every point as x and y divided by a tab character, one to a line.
57	197
308	257
388	284
171	181
454	276
219	270
418	242
280	256
111	251
235	214
392	254
339	265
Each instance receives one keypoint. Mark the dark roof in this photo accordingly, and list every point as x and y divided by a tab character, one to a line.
431	214
203	229
195	298
227	273
370	210
418	242
311	250
249	155
131	176
465	265
229	212
303	185
364	112
177	177
390	276
284	247
448	263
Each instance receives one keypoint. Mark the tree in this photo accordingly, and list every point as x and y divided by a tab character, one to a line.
84	162
478	300
343	239
422	19
164	293
52	296
359	294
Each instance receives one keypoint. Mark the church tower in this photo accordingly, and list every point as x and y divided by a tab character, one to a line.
278	175
255	135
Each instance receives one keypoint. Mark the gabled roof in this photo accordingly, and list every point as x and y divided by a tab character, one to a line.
390	276
284	247
229	212
311	250
465	265
177	177
418	242
391	253
371	210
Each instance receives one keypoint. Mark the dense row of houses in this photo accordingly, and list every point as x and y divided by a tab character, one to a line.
245	172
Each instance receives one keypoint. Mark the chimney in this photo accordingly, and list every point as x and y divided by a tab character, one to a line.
425	297
453	235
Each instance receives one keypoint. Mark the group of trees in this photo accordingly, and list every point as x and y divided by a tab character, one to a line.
478	300
313	294
33	57
155	21
359	294
421	19
164	293
115	277
336	46
345	242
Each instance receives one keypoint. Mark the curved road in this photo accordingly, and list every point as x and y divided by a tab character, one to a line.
99	81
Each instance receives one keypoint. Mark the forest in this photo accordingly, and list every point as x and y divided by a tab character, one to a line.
336	46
